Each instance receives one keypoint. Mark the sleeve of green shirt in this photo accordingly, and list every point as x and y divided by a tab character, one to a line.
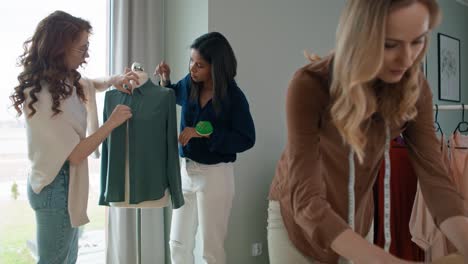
104	157
173	169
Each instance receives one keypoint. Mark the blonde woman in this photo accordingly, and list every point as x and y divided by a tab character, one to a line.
342	112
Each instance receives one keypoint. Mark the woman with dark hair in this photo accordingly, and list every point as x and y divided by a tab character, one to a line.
216	124
59	104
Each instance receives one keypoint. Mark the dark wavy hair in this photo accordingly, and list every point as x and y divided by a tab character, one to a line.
44	60
216	50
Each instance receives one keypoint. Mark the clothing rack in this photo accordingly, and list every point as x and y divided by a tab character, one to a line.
451	107
454	107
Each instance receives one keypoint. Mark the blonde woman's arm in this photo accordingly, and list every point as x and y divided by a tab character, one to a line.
354	247
445	203
456	230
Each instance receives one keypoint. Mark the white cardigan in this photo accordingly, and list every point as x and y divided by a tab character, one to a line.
51	139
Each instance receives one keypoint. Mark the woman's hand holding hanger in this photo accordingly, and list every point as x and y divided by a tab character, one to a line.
164	72
124	82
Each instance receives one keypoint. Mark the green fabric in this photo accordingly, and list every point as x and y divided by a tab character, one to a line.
204	128
153	154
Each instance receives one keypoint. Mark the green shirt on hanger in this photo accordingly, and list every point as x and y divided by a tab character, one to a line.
153	150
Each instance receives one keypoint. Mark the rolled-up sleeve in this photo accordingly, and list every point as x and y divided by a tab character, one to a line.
312	212
437	187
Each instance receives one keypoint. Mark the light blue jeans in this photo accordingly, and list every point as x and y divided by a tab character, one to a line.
57	240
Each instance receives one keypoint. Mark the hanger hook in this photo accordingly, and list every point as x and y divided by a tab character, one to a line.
136	66
437	112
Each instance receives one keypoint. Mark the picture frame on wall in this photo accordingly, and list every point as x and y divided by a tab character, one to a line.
449	68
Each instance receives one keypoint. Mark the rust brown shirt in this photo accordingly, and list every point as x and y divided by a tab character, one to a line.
312	174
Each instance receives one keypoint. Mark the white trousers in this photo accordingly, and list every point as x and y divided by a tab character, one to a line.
280	248
208	193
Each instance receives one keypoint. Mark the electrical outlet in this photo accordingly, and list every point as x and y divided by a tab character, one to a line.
256	249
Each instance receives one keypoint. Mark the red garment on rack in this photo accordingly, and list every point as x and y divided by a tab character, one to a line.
403	184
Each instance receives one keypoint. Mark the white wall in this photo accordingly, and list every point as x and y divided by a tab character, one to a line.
185	20
454	24
268	38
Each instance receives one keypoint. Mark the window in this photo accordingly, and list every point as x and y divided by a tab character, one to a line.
17	224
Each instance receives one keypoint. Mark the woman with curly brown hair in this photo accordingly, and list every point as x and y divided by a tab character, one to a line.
59	106
342	112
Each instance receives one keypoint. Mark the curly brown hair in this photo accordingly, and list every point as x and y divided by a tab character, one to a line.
44	60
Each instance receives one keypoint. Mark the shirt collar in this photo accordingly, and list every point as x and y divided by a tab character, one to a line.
142	88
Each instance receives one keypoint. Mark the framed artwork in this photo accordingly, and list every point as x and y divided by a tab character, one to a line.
449	68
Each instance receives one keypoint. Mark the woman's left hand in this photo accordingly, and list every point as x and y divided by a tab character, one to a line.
122	81
187	134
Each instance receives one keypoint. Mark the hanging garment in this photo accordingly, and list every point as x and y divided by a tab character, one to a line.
403	190
459	162
153	159
162	202
423	230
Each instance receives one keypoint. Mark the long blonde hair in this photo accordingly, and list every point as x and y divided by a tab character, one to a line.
359	54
